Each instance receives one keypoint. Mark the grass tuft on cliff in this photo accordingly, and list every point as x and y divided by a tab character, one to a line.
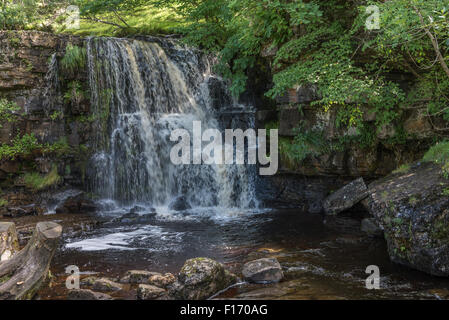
38	182
75	58
439	154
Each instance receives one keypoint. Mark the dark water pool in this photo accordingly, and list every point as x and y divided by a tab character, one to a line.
321	259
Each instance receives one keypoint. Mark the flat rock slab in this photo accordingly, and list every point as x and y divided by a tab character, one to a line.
266	270
346	197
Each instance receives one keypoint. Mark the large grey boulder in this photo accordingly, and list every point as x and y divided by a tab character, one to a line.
346	197
201	278
412	208
266	270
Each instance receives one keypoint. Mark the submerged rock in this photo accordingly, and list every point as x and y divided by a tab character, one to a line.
201	278
149	292
266	270
180	204
135	218
346	197
85	294
413	209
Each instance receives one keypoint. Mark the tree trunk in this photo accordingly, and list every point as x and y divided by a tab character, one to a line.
23	274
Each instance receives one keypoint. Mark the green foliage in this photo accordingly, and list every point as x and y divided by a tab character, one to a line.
29	14
59	148
8	111
74	93
74	59
3	202
21	146
38	182
306	143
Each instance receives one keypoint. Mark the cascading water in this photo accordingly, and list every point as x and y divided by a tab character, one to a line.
142	90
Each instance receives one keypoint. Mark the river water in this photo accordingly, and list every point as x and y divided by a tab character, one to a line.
321	259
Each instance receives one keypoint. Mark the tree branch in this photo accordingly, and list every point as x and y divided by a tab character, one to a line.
103	21
434	42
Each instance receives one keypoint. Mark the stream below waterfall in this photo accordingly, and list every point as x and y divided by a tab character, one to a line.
321	259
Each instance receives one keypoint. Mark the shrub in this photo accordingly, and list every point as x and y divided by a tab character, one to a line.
75	58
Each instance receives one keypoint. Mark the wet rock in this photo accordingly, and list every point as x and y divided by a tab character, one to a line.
137	209
200	278
266	270
136	218
89	281
138	276
85	294
413	210
346	197
22	211
180	204
106	285
440	294
149	292
76	204
162	280
9	243
370	227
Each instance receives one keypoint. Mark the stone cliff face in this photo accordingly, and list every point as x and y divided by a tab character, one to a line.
346	154
32	80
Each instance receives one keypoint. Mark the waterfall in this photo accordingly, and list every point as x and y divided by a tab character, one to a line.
141	90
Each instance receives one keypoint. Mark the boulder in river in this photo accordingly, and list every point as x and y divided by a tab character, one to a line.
162	280
76	204
106	285
137	276
346	197
180	204
265	270
412	207
150	292
201	278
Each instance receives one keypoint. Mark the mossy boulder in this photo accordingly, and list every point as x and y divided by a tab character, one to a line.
412	208
201	278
